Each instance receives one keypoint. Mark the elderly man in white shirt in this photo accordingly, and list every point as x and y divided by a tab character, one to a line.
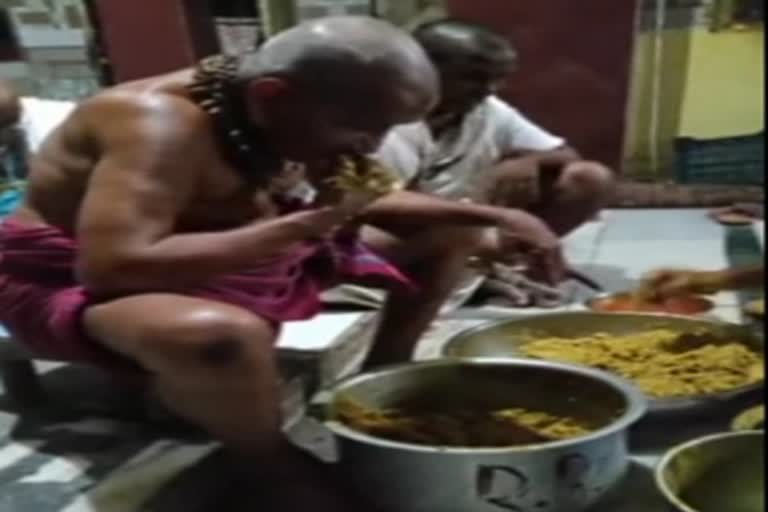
477	147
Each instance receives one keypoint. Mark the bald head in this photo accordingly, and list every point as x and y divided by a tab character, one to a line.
340	55
354	77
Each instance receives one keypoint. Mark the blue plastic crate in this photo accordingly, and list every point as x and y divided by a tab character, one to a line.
725	161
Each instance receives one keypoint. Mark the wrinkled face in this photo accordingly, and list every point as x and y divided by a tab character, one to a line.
309	127
468	81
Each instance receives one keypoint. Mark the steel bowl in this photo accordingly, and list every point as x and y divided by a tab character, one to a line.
564	476
703	304
721	473
506	338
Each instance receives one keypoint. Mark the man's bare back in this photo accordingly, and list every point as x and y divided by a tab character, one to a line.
220	198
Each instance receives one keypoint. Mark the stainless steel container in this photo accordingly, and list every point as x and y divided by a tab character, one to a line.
507	337
720	473
566	476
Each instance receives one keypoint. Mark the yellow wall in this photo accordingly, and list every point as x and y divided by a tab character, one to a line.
724	94
643	158
712	85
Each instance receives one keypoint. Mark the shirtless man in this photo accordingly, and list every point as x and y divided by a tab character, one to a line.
154	238
476	146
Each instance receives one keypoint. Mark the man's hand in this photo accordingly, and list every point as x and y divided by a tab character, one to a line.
521	238
666	283
351	185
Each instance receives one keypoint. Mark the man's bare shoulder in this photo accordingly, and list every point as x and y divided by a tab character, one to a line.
124	110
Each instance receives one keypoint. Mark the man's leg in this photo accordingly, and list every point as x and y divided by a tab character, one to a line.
437	260
214	365
582	190
573	196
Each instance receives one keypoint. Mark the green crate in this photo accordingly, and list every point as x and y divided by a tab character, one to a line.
724	161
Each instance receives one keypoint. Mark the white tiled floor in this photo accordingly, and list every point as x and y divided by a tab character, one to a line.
316	334
650	225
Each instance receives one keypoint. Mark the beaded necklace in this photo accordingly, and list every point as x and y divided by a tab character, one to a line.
244	145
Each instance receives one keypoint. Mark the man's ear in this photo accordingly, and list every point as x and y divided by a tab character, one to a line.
268	88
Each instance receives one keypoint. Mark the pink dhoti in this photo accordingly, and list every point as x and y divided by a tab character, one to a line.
42	303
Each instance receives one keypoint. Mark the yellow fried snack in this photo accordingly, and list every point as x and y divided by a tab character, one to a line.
487	429
365	175
663	363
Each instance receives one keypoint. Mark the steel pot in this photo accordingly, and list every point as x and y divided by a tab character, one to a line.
507	338
566	476
720	473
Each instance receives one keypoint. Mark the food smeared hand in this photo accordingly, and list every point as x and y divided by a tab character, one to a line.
360	181
520	239
669	283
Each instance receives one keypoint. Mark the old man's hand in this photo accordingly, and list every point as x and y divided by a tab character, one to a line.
522	239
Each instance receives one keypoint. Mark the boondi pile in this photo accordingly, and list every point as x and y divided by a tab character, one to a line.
663	363
465	429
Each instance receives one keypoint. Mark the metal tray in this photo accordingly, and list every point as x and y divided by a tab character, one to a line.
505	338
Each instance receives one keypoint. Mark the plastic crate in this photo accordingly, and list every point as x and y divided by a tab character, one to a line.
725	161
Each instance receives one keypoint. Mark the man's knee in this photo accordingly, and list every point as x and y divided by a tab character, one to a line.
589	180
217	337
209	336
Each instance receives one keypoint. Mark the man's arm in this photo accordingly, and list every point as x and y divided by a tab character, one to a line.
558	157
149	171
744	278
512	234
417	209
672	283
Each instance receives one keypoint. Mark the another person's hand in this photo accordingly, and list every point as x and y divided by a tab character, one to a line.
521	238
667	283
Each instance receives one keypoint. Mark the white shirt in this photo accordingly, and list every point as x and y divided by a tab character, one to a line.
39	118
494	129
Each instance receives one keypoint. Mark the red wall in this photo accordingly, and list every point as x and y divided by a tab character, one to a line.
149	37
575	65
